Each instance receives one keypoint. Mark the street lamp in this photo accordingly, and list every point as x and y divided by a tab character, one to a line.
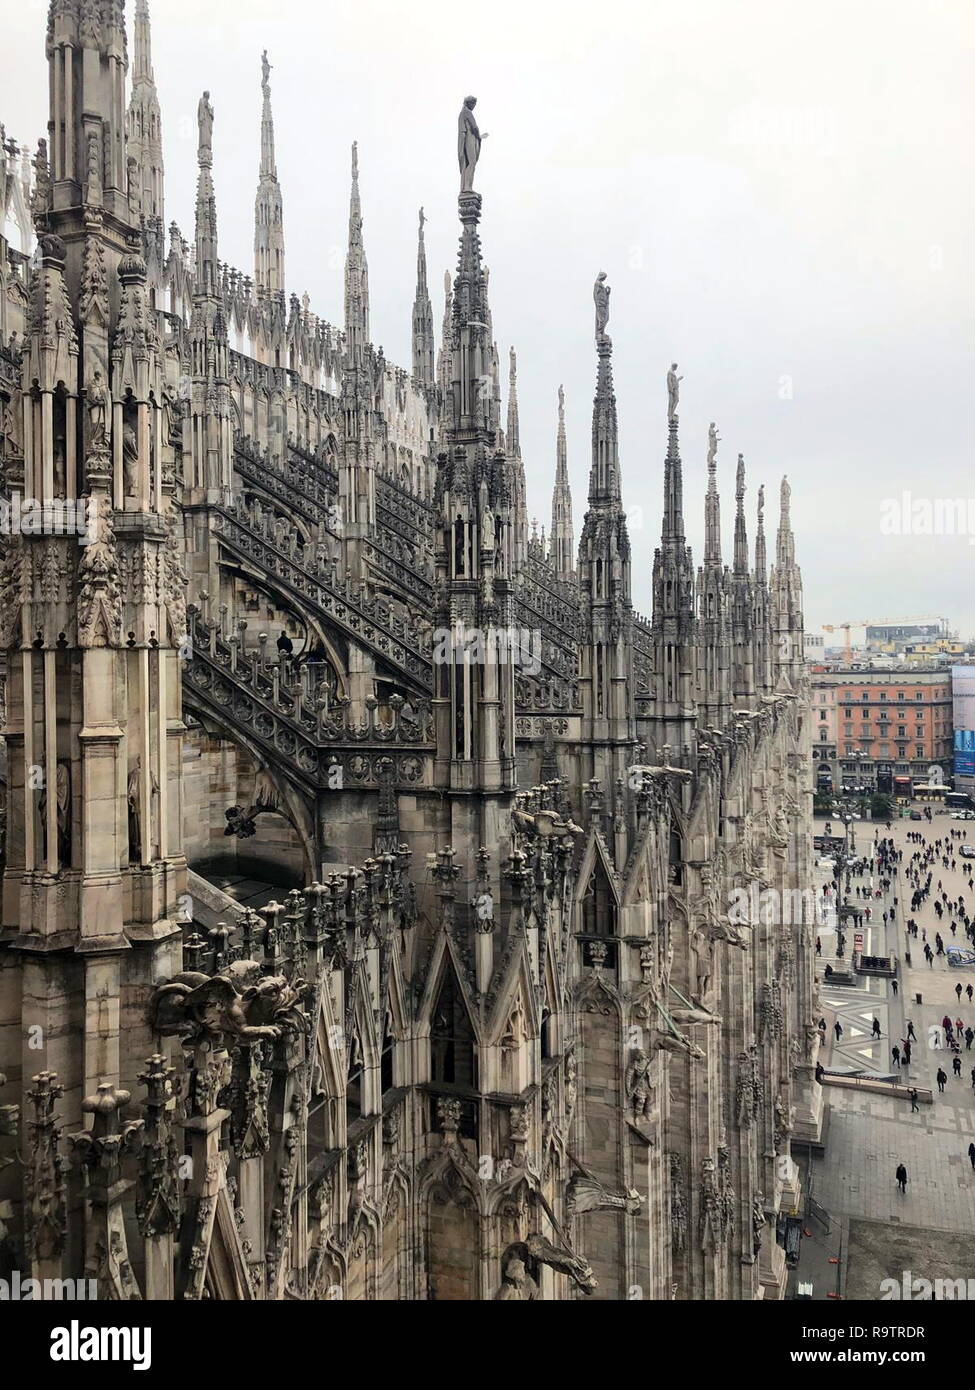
844	810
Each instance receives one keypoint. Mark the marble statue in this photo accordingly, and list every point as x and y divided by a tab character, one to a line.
673	391
600	294
204	116
468	144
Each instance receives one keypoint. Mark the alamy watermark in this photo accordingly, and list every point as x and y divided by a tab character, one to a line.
488	646
911	515
912	1286
56	516
18	1289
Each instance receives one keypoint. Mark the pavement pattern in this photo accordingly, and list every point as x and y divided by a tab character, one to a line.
869	1135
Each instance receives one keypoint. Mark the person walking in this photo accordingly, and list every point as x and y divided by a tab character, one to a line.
971	1154
969	991
893	986
895	1052
969	1035
941	1078
916	1107
901	1176
876	1027
838	1030
956	1064
958	990
910	1031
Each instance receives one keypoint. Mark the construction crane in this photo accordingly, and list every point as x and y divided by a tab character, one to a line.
876	622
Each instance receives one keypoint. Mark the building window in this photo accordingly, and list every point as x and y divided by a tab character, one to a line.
822	714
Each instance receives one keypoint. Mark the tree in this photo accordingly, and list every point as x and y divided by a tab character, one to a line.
882	806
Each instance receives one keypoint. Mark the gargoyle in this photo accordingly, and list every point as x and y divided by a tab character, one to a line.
670	1043
584	1194
521	1268
192	1006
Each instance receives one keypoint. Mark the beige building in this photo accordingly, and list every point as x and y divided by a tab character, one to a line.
884	730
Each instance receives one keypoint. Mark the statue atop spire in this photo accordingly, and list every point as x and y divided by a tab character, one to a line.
712	503
600	294
424	368
268	204
204	118
673	391
468	144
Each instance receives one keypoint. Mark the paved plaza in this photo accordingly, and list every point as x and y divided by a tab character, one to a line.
869	1135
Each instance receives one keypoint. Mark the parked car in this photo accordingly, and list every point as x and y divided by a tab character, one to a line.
916	815
967	851
962	815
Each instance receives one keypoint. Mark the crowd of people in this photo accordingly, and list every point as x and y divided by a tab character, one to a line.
919	874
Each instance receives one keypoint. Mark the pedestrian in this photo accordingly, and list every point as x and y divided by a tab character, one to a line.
957	986
819	951
907	1053
969	991
915	1106
971	1154
901	1176
876	1027
941	1078
838	1030
956	1064
969	1035
895	1052
893	986
910	1031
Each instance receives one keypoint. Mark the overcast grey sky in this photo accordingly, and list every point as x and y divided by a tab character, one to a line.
782	197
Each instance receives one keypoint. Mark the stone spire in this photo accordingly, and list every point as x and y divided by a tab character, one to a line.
714	657
356	272
762	635
514	436
513	449
210	434
474	700
673	626
785	545
444	356
362	385
712	508
788	658
604	474
268	205
742	604
423	348
562	550
606	656
92	653
206	205
761	563
741	531
145	125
